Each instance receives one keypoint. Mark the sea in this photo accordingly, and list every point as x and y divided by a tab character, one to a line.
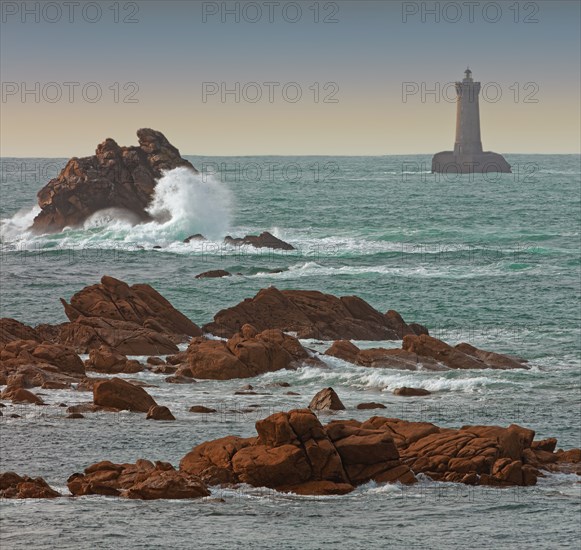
490	259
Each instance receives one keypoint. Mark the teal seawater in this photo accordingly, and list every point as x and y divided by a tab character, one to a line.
491	260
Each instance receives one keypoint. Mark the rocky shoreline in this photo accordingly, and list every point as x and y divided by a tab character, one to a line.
293	451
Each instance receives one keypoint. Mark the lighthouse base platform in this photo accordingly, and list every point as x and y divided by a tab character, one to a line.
446	162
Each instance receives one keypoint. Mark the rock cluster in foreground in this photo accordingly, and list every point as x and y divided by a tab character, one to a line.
294	452
115	177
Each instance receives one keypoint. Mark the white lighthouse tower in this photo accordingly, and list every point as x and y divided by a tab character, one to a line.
468	156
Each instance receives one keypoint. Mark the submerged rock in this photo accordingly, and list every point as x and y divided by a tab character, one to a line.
115	177
264	240
411	392
214	274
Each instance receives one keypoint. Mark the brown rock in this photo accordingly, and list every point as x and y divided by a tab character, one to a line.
410	392
400	327
157	412
382	357
462	356
492	359
326	400
142	480
155	361
20	395
309	314
245	355
14	486
125	337
11	329
108	361
122	395
115	177
140	304
75	415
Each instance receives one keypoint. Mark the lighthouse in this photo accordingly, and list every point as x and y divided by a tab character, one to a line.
468	156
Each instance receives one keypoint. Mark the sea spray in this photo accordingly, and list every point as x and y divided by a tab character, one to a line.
183	203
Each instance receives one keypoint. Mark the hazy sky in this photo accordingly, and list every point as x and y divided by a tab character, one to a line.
174	50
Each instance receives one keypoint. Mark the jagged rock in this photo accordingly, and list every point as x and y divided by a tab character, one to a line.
294	452
52	357
214	274
122	395
14	486
326	400
113	299
308	313
11	329
157	412
400	327
246	354
107	361
115	177
463	356
410	392
382	357
264	240
142	480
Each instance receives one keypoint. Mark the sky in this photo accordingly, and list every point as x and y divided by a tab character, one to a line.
224	78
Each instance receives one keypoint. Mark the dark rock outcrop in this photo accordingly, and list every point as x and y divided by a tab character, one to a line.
115	177
264	240
142	480
308	313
